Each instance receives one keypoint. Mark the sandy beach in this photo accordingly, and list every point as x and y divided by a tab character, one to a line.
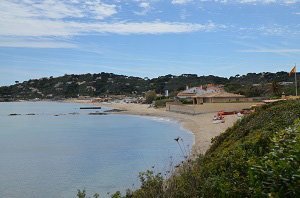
200	125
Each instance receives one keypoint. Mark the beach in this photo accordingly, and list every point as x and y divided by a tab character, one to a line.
200	125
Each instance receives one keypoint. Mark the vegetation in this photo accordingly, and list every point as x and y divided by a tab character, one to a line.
67	86
150	97
258	157
186	101
162	102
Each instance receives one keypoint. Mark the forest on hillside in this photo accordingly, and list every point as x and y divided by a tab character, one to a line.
251	85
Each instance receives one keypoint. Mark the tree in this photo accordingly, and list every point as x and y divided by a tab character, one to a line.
81	194
150	97
116	195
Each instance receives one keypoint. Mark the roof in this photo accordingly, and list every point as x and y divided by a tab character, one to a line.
199	91
186	94
220	95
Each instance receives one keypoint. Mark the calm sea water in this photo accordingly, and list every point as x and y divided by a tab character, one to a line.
52	156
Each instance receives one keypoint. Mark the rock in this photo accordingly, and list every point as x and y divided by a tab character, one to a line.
59	114
97	113
74	113
114	111
14	114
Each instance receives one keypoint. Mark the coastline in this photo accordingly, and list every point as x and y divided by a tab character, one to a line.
200	126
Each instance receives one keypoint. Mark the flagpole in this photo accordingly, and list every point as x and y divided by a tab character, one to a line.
296	80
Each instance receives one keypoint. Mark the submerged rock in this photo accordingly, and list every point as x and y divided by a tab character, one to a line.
97	113
30	114
74	113
114	110
59	114
14	114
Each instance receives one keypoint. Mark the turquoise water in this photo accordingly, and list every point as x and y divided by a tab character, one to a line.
52	156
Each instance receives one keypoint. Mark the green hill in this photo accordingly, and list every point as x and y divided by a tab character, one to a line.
68	86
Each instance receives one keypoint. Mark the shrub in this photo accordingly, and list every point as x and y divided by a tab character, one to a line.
150	97
277	173
162	103
186	101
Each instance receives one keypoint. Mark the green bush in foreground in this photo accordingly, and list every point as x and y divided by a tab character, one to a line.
277	173
258	157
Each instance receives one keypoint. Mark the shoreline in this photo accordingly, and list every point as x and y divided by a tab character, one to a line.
200	126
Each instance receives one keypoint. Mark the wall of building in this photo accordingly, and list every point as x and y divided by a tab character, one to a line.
197	101
220	100
226	100
207	107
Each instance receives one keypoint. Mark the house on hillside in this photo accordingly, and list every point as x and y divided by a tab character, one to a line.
219	97
189	93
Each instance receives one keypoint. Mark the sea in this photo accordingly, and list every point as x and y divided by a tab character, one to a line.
52	149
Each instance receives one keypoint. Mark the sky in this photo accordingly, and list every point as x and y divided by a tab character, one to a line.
147	38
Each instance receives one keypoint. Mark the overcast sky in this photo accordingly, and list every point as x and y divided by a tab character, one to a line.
147	37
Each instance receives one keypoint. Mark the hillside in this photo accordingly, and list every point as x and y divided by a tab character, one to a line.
258	157
67	86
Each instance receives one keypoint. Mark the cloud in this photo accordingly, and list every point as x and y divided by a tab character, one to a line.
268	1
56	18
180	1
272	30
34	43
57	9
53	9
266	50
254	2
257	1
101	10
43	24
282	51
145	6
36	27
